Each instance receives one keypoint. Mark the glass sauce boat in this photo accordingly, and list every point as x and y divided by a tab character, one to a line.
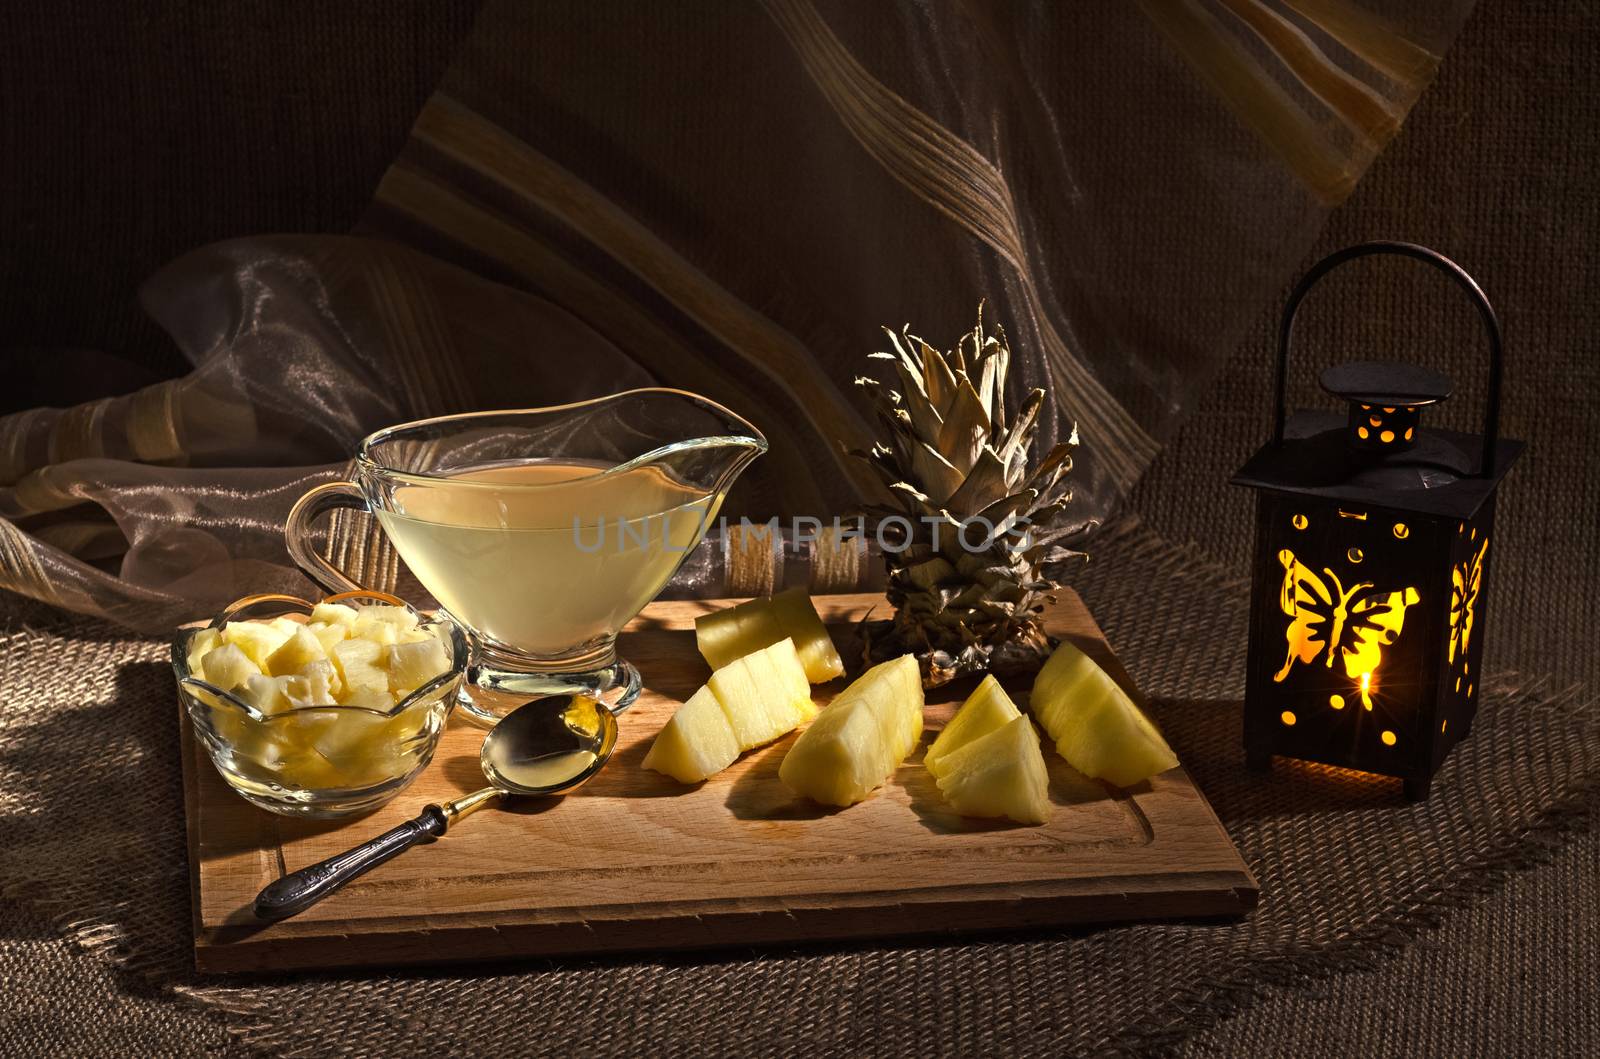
544	531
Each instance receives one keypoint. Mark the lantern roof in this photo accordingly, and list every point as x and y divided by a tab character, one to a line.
1382	382
1435	476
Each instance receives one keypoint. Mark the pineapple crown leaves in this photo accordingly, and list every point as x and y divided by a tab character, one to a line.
949	446
953	452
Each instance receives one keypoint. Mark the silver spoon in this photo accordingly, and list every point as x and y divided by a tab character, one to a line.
546	746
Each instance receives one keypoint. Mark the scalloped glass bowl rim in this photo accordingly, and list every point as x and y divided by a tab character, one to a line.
190	683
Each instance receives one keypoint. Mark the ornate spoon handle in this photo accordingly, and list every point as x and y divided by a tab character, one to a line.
301	889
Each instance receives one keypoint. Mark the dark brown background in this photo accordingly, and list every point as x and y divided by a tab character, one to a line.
133	132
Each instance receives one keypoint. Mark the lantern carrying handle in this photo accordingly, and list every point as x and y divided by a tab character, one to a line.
1491	323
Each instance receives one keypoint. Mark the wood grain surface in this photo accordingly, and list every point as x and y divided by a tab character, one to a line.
636	861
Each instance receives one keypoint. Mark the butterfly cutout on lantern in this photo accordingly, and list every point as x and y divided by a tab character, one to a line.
1465	578
1351	625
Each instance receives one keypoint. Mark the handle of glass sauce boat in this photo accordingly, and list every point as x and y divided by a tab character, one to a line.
297	532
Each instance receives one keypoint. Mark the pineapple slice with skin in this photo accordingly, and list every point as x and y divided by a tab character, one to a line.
696	743
800	621
299	650
1001	773
728	635
227	666
987	709
413	663
733	633
357	663
1094	723
861	738
765	694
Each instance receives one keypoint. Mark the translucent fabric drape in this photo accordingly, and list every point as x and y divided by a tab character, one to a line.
733	198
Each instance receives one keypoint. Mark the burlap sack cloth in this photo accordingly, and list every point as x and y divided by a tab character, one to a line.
1462	926
1349	872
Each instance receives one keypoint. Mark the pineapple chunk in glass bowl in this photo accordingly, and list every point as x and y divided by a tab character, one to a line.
320	710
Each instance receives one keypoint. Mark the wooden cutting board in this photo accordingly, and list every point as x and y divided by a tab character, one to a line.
636	861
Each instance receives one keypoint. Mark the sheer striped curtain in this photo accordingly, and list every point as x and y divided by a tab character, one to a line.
734	198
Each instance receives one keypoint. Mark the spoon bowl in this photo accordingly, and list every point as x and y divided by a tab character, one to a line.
549	746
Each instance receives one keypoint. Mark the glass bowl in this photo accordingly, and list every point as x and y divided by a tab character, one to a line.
319	761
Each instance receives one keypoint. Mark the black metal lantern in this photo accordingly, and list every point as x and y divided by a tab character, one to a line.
1372	549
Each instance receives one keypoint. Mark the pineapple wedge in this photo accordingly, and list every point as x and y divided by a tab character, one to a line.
332	614
328	634
227	666
257	639
765	694
751	701
299	650
413	663
987	709
384	623
1097	728
368	698
351	738
357	663
801	623
202	642
316	684
1001	773
733	633
861	738
265	693
696	743
382	633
